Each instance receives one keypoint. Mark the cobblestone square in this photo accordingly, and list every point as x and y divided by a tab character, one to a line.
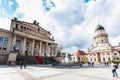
38	72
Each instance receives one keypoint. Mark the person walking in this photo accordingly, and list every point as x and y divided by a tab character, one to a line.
114	67
105	63
89	64
92	64
21	64
24	64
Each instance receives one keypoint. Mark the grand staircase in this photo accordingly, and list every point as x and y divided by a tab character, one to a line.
36	59
40	61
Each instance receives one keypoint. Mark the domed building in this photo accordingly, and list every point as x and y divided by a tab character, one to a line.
101	50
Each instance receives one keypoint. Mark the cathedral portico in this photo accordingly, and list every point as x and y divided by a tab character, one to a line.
101	47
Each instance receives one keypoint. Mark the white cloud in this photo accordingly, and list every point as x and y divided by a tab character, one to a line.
71	49
73	22
5	23
30	8
71	32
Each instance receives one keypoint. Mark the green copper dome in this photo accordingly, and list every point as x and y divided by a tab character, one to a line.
99	27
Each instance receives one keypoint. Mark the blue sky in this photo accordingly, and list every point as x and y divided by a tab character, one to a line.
72	22
8	8
48	4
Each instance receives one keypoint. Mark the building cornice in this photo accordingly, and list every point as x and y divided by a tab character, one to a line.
30	25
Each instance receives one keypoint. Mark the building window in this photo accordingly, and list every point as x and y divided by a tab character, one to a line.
22	27
91	59
27	44
5	47
1	40
115	53
6	41
90	54
27	28
16	26
94	59
102	41
38	29
82	58
17	44
0	46
51	49
103	59
4	44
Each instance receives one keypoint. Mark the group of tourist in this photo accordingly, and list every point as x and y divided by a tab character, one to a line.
105	63
114	67
90	64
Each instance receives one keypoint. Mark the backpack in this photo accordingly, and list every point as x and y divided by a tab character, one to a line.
116	66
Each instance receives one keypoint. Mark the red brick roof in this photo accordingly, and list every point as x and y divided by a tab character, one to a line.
79	52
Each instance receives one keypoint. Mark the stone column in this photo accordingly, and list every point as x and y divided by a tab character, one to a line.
37	49
46	49
13	42
96	56
49	50
14	39
118	55
52	50
111	56
106	59
24	46
40	48
43	50
33	44
55	50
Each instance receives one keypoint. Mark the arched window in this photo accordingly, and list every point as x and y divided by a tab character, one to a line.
102	41
108	58
91	59
16	26
115	53
94	59
1	41
22	27
103	59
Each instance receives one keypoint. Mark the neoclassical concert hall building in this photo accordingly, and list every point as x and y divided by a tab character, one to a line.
28	39
101	50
